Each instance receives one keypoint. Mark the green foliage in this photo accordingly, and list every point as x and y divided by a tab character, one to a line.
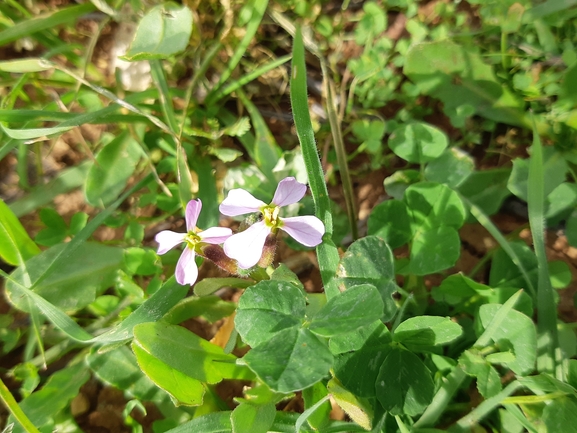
162	32
438	313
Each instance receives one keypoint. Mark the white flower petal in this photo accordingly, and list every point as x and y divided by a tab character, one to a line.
215	235
186	269
167	240
307	230
246	247
240	202
289	191
193	209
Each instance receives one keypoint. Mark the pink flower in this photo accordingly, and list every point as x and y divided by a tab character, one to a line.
186	269
246	247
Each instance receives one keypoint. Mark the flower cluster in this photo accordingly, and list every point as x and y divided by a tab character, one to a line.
245	247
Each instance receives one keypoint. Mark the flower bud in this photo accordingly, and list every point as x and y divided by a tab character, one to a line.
268	251
215	254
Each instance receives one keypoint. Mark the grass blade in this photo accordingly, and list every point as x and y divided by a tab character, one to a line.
48	21
486	222
258	8
10	404
342	159
546	312
237	84
327	253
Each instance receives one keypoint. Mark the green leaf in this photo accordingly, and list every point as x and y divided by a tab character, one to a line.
418	142
434	250
458	288
560	274
390	221
62	386
186	352
355	340
118	367
77	281
562	198
370	261
436	212
56	230
358	370
355	307
554	172
15	245
225	154
114	164
427	331
181	387
293	359
208	286
559	415
23	66
247	417
505	273
78	222
212	308
164	31
486	189
141	261
359	410
488	379
267	308
452	167
458	76
434	205
397	183
516	332
404	384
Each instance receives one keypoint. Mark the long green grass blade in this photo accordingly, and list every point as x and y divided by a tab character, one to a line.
14	409
486	222
48	21
342	158
161	84
252	75
472	419
546	311
327	253
67	180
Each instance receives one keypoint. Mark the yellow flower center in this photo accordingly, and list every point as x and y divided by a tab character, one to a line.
270	216
192	240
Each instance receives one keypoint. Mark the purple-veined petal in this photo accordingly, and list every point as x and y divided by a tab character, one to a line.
215	235
167	240
239	202
193	209
289	191
186	269
246	247
307	230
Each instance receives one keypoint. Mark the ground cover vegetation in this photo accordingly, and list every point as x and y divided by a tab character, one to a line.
288	216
